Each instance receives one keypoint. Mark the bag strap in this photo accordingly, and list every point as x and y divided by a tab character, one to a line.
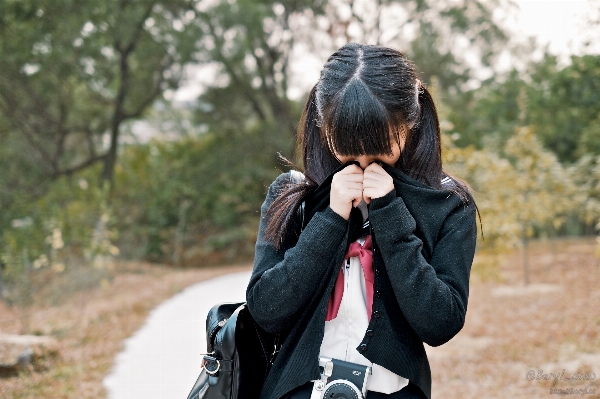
276	348
302	213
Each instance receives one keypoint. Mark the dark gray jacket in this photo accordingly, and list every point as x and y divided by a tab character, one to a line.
423	248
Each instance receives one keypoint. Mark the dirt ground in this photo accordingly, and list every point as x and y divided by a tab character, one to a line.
519	341
91	327
533	341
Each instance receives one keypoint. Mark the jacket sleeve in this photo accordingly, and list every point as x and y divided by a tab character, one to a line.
432	295
283	283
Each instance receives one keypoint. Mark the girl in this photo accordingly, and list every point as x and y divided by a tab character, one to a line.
367	254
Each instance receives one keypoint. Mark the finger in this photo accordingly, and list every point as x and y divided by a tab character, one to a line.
369	192
354	177
373	182
350	190
377	180
351	169
375	176
352	187
374	165
376	192
355	201
374	168
377	172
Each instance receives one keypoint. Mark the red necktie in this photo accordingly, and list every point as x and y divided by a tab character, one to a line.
365	255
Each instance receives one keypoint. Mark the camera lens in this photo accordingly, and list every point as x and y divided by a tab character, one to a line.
341	391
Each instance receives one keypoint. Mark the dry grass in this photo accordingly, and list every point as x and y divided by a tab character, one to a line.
550	325
91	326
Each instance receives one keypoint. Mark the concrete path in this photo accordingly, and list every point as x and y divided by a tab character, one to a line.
162	359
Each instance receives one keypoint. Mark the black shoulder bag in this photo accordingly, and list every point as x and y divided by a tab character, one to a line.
240	353
239	357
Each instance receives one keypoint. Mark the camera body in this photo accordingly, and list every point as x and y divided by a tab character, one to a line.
341	380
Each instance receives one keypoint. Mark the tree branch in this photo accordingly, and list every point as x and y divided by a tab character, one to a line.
138	30
74	169
155	93
236	80
90	140
24	128
62	134
278	105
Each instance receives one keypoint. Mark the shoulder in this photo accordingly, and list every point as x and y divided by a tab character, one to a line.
458	188
453	206
448	183
461	216
282	181
296	176
286	178
276	186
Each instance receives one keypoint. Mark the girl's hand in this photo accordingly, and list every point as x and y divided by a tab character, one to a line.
346	190
376	182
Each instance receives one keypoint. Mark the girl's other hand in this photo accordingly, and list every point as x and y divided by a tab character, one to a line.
346	190
376	182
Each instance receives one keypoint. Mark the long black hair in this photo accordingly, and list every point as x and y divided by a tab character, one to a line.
366	96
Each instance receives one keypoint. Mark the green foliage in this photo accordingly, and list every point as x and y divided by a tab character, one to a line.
571	97
493	116
71	72
69	228
193	195
520	191
562	105
589	141
544	191
586	175
250	44
436	35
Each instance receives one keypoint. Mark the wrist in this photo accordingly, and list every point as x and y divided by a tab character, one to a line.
380	202
339	212
338	217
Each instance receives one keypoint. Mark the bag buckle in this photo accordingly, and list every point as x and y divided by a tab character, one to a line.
211	365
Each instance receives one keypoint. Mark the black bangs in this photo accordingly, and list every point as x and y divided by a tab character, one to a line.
357	123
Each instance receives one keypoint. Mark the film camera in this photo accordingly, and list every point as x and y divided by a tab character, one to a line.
341	380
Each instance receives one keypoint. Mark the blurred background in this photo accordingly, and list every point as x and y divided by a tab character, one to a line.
138	138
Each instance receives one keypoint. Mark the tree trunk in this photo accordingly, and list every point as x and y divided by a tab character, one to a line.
111	155
118	117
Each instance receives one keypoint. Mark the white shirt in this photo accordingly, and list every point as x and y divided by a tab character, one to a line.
344	333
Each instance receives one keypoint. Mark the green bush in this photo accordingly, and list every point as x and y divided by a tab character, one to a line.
184	201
